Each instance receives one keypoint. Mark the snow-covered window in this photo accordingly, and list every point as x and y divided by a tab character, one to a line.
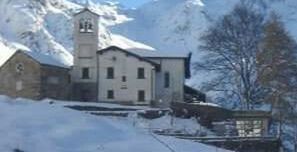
86	25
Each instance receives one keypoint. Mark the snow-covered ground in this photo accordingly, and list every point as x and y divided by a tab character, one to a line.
166	123
39	126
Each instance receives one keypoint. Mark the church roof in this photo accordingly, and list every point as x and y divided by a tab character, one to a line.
128	52
87	9
159	54
143	49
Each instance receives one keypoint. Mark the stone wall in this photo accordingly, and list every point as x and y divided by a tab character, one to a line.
25	83
55	82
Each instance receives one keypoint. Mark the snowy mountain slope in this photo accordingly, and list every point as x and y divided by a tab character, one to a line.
46	26
34	126
172	24
24	21
177	25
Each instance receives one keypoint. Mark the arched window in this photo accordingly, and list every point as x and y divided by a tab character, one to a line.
81	25
86	25
90	25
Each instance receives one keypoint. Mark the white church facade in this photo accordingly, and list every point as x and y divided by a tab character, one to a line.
130	76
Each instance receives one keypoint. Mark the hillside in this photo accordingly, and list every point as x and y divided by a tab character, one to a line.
32	126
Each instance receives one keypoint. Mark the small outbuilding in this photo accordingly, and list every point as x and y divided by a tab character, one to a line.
34	75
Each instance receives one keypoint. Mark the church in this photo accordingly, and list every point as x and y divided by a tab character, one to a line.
111	74
114	74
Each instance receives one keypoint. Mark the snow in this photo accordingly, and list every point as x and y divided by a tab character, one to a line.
160	54
124	43
205	104
46	59
94	104
6	53
142	49
33	126
173	124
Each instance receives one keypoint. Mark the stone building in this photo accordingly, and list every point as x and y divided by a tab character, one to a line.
125	75
33	75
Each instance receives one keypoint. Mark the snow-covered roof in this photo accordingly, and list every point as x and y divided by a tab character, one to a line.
144	50
160	54
7	52
128	52
45	59
128	44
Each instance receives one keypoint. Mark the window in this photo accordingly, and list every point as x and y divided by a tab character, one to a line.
110	73
85	73
19	68
86	25
140	73
19	85
249	128
53	80
124	79
167	80
110	94
69	78
141	95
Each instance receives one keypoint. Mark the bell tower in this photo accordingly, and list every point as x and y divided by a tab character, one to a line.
85	41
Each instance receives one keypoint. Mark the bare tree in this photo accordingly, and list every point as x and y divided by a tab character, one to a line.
231	46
